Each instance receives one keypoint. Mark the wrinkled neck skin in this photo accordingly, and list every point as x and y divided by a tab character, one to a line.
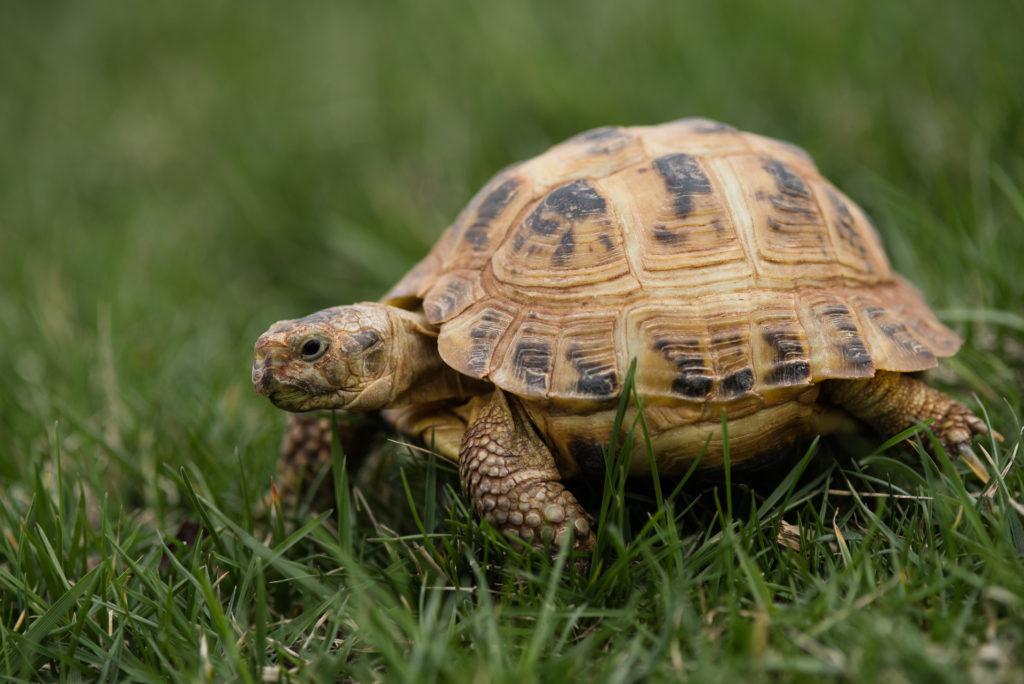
417	375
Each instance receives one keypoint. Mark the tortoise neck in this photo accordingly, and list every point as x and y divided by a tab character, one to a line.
424	377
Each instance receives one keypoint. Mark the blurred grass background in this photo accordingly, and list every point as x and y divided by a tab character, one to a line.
176	176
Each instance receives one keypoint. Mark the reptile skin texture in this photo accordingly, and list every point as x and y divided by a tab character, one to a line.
893	402
510	476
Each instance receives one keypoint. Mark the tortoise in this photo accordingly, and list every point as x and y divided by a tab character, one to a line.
738	278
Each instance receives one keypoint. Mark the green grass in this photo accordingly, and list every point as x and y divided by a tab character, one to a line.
173	179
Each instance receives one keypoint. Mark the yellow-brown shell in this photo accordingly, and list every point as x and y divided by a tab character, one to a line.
721	260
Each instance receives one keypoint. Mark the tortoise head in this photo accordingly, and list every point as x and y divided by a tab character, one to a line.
342	357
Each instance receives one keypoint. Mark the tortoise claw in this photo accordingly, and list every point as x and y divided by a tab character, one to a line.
967	455
957	429
979	427
958	438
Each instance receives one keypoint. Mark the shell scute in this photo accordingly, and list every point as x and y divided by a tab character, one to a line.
470	341
529	359
890	335
586	365
694	377
452	294
684	178
835	338
730	347
788	226
855	241
569	237
670	342
781	349
679	224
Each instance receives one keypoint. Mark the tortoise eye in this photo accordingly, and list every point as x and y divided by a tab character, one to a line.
313	348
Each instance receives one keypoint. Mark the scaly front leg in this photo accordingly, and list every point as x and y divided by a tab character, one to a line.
305	451
306	456
510	476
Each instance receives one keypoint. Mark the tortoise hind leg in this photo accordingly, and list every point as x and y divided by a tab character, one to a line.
892	402
510	476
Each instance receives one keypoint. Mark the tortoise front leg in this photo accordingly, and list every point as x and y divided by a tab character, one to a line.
305	456
305	451
892	402
510	477
307	440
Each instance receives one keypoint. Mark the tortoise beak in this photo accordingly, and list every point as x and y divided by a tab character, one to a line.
268	354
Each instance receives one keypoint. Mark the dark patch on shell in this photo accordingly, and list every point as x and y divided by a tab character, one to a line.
855	354
786	181
792	373
588	454
440	308
669	237
483	335
571	202
851	346
691	385
532	362
789	365
738	384
701	125
478	233
539	224
839	317
595	378
605	139
792	206
693	380
845	227
565	249
559	211
597	134
898	333
683	178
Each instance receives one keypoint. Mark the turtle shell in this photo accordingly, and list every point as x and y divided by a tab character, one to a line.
721	260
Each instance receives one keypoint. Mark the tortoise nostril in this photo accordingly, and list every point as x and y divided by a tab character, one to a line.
261	374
